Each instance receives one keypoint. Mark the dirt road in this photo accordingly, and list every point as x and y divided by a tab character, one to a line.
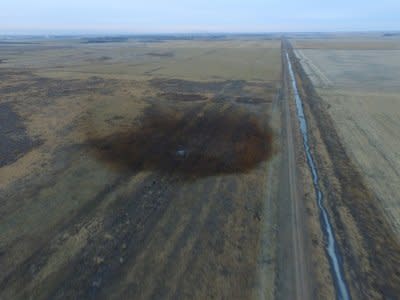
294	277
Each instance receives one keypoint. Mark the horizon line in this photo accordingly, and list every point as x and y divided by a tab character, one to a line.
122	33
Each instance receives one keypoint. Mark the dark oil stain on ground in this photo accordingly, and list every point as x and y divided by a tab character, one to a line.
193	142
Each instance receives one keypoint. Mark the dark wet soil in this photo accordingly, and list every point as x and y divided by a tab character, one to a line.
185	86
14	140
49	87
182	97
160	54
251	100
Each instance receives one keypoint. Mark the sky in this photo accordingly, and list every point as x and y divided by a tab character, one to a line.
207	16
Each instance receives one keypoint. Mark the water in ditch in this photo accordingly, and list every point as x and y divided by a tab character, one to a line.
331	245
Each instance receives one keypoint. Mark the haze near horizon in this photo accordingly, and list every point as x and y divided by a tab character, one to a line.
177	16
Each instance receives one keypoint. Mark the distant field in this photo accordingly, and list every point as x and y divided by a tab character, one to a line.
349	43
134	169
196	60
358	80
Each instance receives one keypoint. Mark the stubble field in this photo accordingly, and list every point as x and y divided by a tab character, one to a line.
351	105
361	89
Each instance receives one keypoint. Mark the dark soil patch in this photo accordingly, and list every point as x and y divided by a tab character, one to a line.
182	97
160	54
9	74
55	88
104	58
251	100
188	142
49	87
14	140
97	59
198	87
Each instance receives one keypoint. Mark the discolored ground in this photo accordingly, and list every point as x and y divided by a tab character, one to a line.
135	170
173	140
15	142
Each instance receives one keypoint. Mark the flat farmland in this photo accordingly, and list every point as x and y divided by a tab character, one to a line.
361	90
199	60
138	169
368	41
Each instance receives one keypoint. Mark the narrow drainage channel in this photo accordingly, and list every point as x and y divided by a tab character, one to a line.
331	247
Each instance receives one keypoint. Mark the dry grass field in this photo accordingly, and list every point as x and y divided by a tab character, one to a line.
142	60
174	168
361	89
138	169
